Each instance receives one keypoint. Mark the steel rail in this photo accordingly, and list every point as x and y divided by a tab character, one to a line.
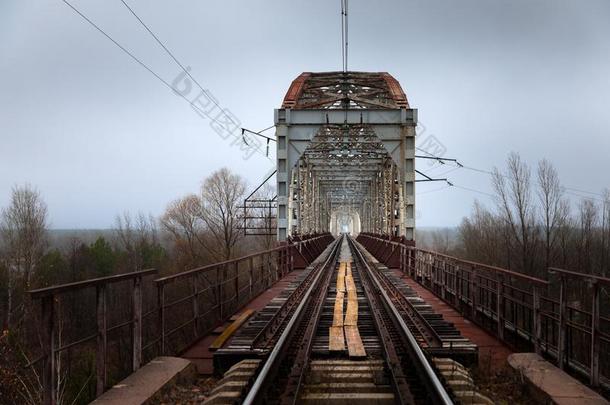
275	357
419	321
402	388
301	362
436	388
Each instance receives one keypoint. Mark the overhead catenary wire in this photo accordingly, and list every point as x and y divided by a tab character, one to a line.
459	165
434	190
180	65
125	50
344	35
342	38
148	68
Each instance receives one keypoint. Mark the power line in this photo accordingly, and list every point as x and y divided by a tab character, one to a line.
149	69
186	71
344	34
342	37
568	190
124	50
473	190
175	59
449	171
434	190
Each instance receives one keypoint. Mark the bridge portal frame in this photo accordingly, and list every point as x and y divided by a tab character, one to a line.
295	129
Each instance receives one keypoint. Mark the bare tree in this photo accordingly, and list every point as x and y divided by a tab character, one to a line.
588	221
481	236
513	191
136	234
441	240
182	220
23	227
554	207
565	237
221	196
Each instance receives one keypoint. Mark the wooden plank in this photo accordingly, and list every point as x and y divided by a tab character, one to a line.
340	284
336	339
354	342
351	315
338	313
349	284
224	336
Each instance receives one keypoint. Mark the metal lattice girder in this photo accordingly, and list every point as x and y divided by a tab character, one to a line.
346	150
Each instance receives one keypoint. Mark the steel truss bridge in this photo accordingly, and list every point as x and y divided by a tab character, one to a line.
345	223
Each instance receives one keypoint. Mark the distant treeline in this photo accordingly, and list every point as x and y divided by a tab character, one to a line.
533	225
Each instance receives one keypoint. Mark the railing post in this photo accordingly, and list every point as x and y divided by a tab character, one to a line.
137	323
100	353
269	269
500	305
291	266
413	263
595	344
236	285
474	293
48	350
251	272
458	286
441	278
561	344
219	290
161	318
537	319
195	293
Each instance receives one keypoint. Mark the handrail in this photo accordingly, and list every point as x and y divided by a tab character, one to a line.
172	277
569	273
61	288
48	327
486	266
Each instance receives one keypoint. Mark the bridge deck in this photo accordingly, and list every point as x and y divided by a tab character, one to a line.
492	352
200	354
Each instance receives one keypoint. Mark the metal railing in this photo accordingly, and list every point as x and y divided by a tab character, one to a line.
201	298
50	299
165	317
519	309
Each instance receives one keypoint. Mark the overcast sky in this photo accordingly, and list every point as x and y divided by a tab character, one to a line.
98	135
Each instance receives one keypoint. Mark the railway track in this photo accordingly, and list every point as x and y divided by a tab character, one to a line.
374	357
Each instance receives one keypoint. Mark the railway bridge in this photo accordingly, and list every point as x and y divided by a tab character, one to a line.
347	308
